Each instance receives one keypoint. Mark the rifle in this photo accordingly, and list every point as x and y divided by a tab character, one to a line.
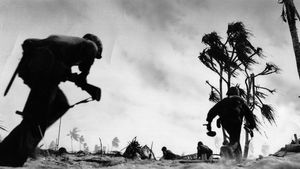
13	77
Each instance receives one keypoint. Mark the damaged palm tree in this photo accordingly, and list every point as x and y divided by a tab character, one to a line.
228	58
255	96
290	15
233	57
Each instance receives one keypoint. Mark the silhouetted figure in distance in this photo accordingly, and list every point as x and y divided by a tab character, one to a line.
203	151
168	154
46	63
231	111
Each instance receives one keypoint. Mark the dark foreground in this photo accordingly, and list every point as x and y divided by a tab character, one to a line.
290	161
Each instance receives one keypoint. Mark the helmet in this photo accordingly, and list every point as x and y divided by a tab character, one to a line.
97	41
233	91
164	148
200	143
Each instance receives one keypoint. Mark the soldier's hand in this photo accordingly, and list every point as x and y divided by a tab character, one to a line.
94	91
80	80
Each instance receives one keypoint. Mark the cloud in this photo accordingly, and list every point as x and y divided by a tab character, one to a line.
32	14
149	70
286	92
194	4
156	14
269	21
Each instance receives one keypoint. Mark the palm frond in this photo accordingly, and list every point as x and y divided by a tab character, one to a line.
267	112
206	59
242	92
257	122
236	28
214	96
272	68
259	52
260	94
74	134
254	104
212	39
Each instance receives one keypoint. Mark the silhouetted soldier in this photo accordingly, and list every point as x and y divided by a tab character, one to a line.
168	154
231	111
46	63
203	151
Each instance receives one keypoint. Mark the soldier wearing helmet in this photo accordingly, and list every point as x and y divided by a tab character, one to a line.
231	111
46	63
168	154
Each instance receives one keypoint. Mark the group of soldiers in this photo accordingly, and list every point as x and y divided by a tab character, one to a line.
47	62
203	153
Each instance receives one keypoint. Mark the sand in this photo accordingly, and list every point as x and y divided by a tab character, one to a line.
72	161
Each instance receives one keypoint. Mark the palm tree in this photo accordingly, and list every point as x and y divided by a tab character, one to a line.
85	147
290	14
73	135
115	142
228	57
258	93
234	56
81	141
58	136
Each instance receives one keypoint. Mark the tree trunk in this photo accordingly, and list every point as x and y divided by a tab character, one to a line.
221	97
101	146
71	144
58	137
247	140
290	12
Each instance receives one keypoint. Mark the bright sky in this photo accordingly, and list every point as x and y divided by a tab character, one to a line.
153	85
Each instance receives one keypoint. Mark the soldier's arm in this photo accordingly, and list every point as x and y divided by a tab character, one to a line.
88	53
213	112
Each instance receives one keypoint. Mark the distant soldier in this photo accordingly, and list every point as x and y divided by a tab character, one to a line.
46	63
168	154
203	151
231	111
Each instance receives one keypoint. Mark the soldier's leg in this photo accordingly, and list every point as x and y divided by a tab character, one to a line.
22	141
58	107
15	148
234	131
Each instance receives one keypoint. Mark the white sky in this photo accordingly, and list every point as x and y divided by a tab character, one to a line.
153	85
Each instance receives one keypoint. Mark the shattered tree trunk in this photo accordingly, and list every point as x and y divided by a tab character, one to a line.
251	84
221	97
291	13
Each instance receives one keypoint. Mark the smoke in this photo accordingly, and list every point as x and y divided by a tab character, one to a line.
265	149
